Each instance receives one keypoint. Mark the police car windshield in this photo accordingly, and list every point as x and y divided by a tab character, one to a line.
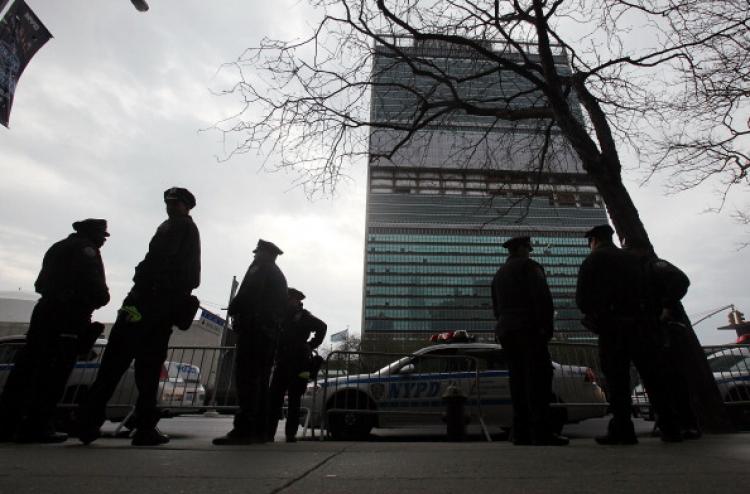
393	366
430	353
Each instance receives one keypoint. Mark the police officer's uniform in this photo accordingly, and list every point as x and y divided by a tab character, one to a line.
292	365
668	285
522	305
257	310
612	292
163	282
72	284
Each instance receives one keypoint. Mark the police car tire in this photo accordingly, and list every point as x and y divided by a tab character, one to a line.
350	426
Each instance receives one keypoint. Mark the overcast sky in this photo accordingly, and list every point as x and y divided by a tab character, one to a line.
107	115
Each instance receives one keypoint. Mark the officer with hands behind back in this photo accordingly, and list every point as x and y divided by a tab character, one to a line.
293	362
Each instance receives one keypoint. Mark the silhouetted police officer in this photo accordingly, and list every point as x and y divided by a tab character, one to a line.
612	292
667	285
161	291
257	310
293	361
72	285
522	304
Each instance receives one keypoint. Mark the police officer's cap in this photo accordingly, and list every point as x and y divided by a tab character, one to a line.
180	194
516	242
600	231
295	294
91	225
264	245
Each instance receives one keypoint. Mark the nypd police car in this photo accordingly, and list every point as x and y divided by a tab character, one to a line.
186	376
409	391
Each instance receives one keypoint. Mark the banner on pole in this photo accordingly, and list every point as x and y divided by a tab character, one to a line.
340	336
211	320
22	34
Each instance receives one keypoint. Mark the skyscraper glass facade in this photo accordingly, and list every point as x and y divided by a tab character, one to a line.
439	208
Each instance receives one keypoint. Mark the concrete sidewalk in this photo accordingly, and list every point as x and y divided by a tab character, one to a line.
191	464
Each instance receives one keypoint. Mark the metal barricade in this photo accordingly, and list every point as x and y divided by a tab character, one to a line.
575	362
730	365
187	376
196	378
578	385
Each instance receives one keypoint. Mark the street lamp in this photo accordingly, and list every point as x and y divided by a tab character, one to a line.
141	5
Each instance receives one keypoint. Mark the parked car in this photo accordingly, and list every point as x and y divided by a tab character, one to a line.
408	391
731	370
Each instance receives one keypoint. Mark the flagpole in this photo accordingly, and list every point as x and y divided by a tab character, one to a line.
224	329
223	341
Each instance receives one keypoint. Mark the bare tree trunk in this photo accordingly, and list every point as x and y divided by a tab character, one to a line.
620	206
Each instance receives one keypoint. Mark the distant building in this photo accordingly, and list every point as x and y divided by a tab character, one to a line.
439	208
15	311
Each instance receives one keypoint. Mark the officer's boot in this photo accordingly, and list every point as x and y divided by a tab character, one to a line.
149	437
242	433
620	431
234	438
290	429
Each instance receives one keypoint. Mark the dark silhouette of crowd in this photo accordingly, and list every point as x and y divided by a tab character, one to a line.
72	285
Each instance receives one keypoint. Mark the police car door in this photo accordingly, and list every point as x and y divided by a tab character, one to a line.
414	391
491	394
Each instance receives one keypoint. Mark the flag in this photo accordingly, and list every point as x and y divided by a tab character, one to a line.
211	320
340	336
141	5
21	36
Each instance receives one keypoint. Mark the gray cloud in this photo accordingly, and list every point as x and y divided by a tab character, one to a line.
107	116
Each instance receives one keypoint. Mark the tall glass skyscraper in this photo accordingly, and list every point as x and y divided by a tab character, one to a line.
441	203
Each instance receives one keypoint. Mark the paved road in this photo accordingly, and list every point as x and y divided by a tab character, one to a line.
387	464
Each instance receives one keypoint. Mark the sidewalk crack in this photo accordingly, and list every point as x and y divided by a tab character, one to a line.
307	472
